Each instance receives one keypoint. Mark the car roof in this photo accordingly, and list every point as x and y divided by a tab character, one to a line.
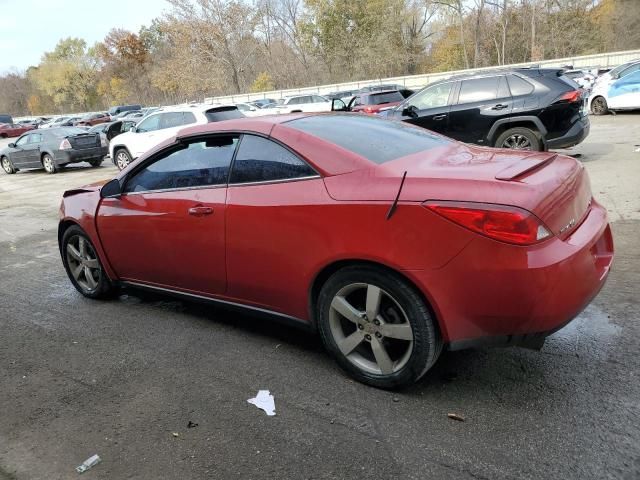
199	107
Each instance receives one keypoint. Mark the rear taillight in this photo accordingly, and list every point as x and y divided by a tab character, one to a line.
500	222
570	97
65	144
368	109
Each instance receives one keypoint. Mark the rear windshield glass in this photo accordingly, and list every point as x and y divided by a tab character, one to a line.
373	138
225	113
380	98
64	131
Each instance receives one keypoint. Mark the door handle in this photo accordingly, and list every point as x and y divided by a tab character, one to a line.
199	211
499	106
440	117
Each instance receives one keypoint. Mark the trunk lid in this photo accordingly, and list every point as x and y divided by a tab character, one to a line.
84	141
553	187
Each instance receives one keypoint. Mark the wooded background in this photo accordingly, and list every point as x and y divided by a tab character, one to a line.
215	47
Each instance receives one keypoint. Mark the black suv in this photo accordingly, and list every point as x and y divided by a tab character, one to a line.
529	109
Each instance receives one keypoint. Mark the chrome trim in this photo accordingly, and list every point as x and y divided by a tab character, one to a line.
181	189
216	300
284	180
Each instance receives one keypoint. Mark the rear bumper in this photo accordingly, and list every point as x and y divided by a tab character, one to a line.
574	136
74	156
519	295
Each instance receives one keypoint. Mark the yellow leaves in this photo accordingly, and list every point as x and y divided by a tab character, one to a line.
33	104
262	83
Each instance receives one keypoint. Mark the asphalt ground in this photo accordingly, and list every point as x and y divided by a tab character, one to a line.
123	378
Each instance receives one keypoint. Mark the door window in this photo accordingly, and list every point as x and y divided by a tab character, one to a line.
35	138
478	90
262	160
149	124
432	97
202	163
318	99
519	86
187	118
22	141
171	119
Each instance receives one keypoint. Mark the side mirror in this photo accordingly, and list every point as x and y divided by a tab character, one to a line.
111	189
12	145
410	111
133	129
338	105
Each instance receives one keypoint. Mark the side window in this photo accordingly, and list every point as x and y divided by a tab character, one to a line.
263	160
202	163
503	88
150	124
188	117
432	97
519	86
22	141
171	119
35	138
242	107
478	90
318	99
294	101
631	69
357	100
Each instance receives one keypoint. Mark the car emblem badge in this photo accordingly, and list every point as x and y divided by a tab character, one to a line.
571	223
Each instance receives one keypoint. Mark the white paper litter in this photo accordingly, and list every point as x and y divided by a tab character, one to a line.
88	463
264	401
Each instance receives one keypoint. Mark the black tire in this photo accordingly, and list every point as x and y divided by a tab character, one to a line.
7	166
599	106
96	163
413	362
49	164
121	158
519	138
103	288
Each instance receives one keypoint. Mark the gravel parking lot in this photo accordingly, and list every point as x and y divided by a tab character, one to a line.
124	378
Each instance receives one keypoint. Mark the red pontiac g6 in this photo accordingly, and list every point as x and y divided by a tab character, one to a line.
390	240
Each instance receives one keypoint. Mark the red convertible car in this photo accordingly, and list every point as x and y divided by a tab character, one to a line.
13	129
392	241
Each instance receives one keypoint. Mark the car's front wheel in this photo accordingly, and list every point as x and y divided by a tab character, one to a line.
599	106
7	166
377	327
83	264
96	163
48	164
519	138
123	159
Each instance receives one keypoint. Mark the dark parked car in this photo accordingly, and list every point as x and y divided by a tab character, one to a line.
123	108
526	109
375	101
51	149
341	94
385	87
108	131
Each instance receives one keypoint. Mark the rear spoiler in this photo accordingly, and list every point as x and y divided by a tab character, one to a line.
523	166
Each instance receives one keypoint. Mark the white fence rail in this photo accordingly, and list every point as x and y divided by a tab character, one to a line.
603	60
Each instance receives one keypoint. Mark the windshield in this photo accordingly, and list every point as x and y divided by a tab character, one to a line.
373	138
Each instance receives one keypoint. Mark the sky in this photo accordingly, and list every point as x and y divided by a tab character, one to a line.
28	28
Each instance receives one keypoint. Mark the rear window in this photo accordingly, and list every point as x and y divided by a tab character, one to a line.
224	113
380	98
65	131
375	139
519	86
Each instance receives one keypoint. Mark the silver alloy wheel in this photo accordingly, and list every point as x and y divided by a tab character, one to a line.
83	263
122	160
371	329
47	163
599	106
517	142
6	165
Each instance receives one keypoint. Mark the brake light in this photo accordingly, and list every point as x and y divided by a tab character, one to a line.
570	97
499	222
65	144
368	109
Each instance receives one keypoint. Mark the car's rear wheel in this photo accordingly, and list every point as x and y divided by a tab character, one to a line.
123	159
377	327
83	265
599	106
48	164
96	163
7	166
519	138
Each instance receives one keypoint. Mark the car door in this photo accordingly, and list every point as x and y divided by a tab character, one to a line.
429	108
479	104
269	189
167	228
145	135
625	92
20	155
33	151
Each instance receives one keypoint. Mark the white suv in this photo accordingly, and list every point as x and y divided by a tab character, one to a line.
305	103
163	124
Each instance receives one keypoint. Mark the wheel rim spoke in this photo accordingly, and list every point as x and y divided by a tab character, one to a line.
348	344
344	308
374	294
399	331
82	247
89	277
382	357
74	252
92	263
77	271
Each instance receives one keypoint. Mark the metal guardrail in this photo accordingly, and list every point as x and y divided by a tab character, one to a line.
610	59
